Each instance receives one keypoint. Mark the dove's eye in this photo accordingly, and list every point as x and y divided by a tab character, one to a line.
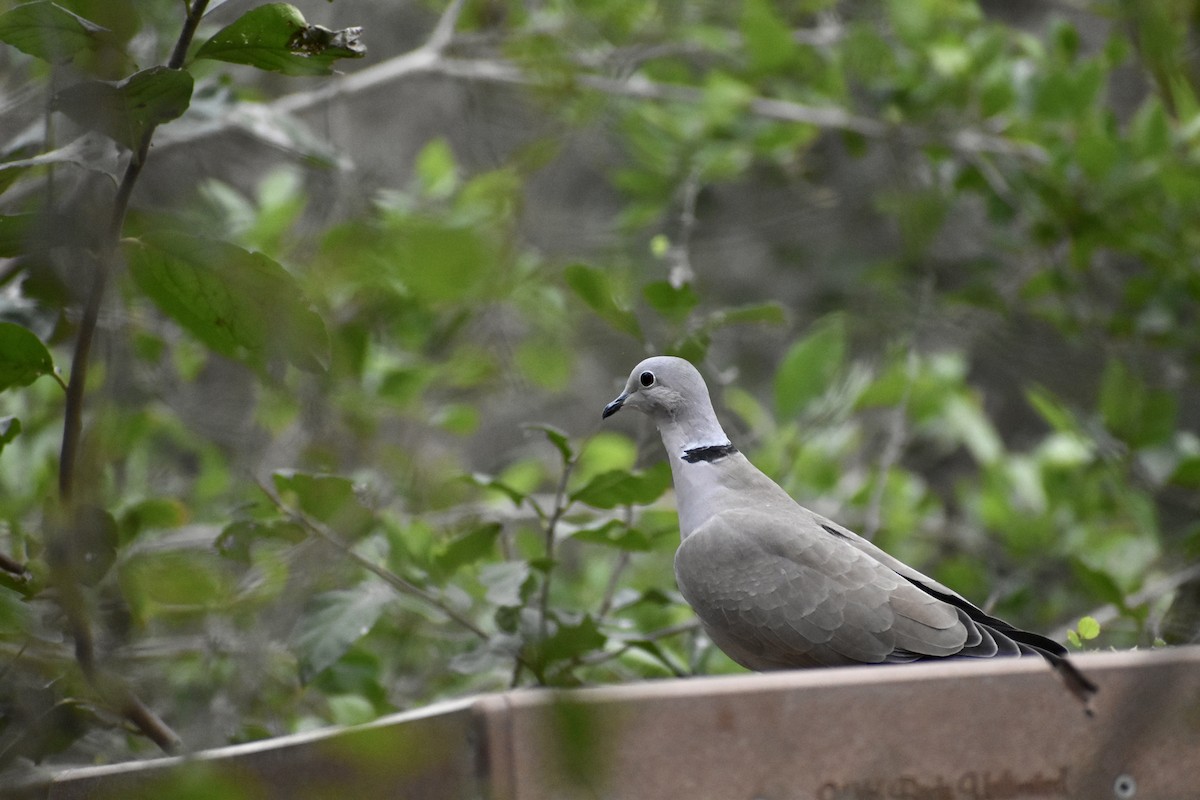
647	379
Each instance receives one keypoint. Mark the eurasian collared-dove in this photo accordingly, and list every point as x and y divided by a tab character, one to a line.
777	586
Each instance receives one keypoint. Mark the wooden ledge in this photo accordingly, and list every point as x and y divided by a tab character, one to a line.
991	730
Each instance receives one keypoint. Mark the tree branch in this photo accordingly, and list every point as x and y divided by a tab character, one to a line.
429	59
12	566
398	583
110	687
1109	612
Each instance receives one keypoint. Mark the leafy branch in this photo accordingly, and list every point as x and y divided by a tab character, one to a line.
64	567
322	532
431	58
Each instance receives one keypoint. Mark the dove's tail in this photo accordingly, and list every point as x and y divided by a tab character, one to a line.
1076	682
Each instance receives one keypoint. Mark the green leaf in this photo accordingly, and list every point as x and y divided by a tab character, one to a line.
438	261
152	513
1052	410
237	539
466	549
23	357
333	622
93	547
1130	409
1187	473
10	428
615	533
1098	583
350	709
484	481
277	38
770	313
328	498
1088	628
594	287
673	303
156	583
810	366
50	32
570	641
241	304
769	44
560	440
619	487
14	233
436	169
128	110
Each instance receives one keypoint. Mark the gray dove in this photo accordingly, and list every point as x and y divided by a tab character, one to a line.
777	586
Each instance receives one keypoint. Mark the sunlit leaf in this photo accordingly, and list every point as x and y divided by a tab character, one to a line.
1088	628
810	366
276	37
768	38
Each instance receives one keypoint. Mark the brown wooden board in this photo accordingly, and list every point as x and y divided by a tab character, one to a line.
993	730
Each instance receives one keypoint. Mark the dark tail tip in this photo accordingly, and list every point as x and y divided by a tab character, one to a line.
1076	682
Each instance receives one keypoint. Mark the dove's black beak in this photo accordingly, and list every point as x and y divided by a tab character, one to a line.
614	406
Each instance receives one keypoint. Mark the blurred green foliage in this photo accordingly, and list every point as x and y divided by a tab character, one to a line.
325	477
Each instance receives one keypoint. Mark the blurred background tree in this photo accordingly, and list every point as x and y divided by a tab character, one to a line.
339	449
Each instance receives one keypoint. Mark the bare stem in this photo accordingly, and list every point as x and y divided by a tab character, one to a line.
1151	592
898	429
663	633
560	508
614	579
429	59
12	566
111	688
398	583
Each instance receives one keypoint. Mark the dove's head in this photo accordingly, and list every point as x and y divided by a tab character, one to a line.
665	388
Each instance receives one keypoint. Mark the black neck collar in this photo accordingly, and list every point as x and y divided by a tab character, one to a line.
712	452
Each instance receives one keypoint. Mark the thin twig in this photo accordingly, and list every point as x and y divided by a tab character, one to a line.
12	566
614	579
654	636
560	508
111	688
897	430
429	59
1109	612
680	255
398	583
